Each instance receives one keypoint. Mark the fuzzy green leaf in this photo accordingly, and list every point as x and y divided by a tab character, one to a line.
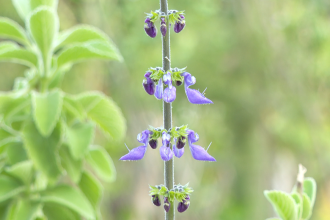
89	50
21	171
71	105
24	7
283	204
69	197
70	164
16	153
25	210
57	212
11	52
299	204
92	189
104	112
102	163
307	207
310	188
43	151
9	29
46	110
79	137
9	187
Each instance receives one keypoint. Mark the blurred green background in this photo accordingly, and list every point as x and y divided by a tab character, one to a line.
266	65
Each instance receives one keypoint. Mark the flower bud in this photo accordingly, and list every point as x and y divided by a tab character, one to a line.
167	204
163	27
155	199
150	28
178	83
181	142
149	84
184	205
153	144
179	24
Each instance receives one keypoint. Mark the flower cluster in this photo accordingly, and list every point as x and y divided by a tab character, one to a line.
177	137
180	193
174	17
156	79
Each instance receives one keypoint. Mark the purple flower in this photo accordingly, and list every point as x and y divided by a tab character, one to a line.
163	27
153	144
194	96
197	152
150	28
159	89
184	205
155	199
166	152
167	204
138	152
179	24
177	152
170	92
149	84
181	142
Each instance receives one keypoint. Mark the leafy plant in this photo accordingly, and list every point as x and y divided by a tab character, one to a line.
48	163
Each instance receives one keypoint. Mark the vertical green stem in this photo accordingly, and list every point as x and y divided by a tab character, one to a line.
167	111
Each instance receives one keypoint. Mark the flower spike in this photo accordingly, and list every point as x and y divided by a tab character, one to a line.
194	96
170	92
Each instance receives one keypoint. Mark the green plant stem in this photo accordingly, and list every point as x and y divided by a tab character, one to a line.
167	112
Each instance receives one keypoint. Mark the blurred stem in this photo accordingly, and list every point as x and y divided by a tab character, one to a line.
167	112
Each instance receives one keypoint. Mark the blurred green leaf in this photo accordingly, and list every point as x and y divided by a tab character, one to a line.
88	50
10	187
307	207
70	164
79	137
310	188
9	29
46	110
11	211
283	204
43	151
104	112
24	7
10	52
21	171
16	153
92	189
70	104
57	212
102	163
69	197
25	210
299	204
80	34
50	3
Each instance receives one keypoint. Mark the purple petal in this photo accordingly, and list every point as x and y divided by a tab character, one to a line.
143	137
192	136
167	204
149	86
200	153
153	144
177	152
163	27
135	154
166	138
166	153
194	96
150	28
159	89
167	79
169	94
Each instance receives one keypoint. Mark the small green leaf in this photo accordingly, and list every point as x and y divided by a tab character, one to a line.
80	34
71	165
58	212
46	110
299	204
79	137
26	210
10	187
283	204
24	7
71	105
89	50
50	3
21	171
13	53
69	197
310	188
102	163
9	29
16	153
307	207
92	189
104	112
43	151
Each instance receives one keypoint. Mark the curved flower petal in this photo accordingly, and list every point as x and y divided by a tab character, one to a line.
159	89
194	96
149	84
169	94
143	137
192	136
135	154
177	152
166	153
200	153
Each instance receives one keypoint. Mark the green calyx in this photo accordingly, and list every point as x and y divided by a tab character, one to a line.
158	73
179	192
174	132
174	15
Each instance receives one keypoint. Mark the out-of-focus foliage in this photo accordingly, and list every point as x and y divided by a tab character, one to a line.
48	163
266	67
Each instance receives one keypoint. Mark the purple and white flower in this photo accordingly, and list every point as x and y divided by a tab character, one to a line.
149	84
179	24
150	28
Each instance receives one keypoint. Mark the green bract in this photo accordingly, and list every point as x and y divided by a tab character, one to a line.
47	135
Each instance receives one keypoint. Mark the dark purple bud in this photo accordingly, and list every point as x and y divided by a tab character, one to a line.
163	27
167	204
179	24
181	142
184	205
149	84
150	28
155	199
153	144
178	83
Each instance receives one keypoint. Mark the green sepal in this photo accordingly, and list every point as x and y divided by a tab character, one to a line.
179	131
156	73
